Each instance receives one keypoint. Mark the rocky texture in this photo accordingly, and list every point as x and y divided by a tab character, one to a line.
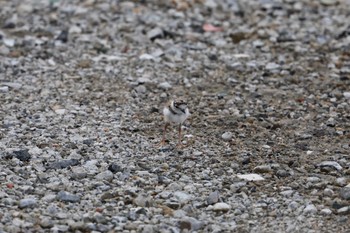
82	85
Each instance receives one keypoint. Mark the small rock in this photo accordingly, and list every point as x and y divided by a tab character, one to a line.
346	95
330	164
27	202
263	169
272	66
326	211
106	175
345	193
328	192
165	85
4	89
310	209
143	200
251	177
141	89
221	206
237	186
63	36
22	155
344	210
67	197
74	29
287	193
190	224
341	181
115	168
328	2
174	186
182	197
60	111
64	164
9	42
227	136
155	33
146	56
213	198
46	222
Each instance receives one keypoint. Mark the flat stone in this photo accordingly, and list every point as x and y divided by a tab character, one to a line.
27	202
326	211
22	155
331	164
251	177
213	198
106	175
115	168
67	197
191	224
345	193
346	95
263	169
310	209
64	164
155	33
182	197
227	136
143	200
221	206
165	86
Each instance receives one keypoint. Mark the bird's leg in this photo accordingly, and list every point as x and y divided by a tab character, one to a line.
179	145
162	143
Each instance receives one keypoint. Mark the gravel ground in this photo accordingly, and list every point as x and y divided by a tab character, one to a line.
82	85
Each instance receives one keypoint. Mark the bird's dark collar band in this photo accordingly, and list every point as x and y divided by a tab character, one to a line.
172	110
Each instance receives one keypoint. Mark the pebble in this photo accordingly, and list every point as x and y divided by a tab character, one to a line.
143	200
331	164
190	224
4	89
106	175
272	66
227	136
221	206
341	181
64	164
165	86
27	203
67	197
22	155
182	197
326	211
344	210
345	193
310	209
9	42
115	168
263	169
346	95
155	33
213	198
251	177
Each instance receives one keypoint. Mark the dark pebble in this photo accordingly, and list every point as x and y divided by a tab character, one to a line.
115	168
22	155
64	164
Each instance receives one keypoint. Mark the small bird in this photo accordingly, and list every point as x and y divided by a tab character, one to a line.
176	112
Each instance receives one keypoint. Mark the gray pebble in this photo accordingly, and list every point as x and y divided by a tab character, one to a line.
227	136
27	202
345	193
310	209
67	197
213	198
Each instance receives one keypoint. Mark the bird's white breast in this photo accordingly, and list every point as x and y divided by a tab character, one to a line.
175	118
